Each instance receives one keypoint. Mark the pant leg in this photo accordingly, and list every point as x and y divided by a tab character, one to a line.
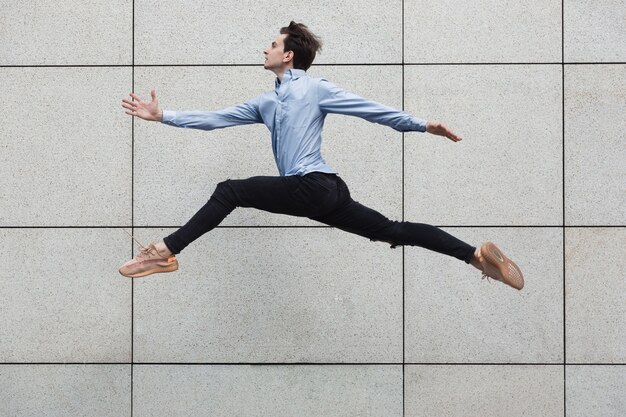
306	196
354	217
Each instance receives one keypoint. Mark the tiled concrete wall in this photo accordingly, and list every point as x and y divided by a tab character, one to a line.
277	316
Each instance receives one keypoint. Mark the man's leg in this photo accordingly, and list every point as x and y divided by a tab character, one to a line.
354	217
305	196
309	195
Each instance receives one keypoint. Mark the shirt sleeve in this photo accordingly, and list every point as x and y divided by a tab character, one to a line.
333	99
241	114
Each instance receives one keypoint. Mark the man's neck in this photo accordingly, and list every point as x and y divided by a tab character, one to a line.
280	72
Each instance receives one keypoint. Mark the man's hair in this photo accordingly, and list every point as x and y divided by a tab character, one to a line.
302	42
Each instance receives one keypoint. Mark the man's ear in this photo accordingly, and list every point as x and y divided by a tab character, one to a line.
288	56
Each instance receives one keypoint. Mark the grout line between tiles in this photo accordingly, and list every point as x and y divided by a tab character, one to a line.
403	249
132	220
134	363
318	227
369	64
563	196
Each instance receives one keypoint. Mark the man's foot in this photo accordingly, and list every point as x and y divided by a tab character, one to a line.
495	265
149	261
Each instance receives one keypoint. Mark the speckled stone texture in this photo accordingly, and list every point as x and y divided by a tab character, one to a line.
280	391
62	299
595	133
596	390
487	390
66	147
449	31
68	32
273	295
596	314
594	32
214	32
508	168
452	316
65	390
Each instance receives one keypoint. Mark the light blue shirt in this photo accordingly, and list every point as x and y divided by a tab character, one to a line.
294	113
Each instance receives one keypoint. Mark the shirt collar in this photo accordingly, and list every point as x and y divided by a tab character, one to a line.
290	74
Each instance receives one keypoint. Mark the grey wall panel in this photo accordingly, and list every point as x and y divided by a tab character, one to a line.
213	32
596	315
595	164
66	149
453	316
242	390
482	31
596	390
67	32
65	390
508	168
273	295
484	390
594	32
63	299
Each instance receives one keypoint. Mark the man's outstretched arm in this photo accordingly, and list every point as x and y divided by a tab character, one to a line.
333	99
241	114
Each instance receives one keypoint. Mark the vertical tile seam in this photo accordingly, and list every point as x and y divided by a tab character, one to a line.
403	247
563	196
132	221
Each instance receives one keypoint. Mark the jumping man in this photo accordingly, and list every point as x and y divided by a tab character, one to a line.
294	113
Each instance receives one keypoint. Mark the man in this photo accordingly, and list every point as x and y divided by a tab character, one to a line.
294	113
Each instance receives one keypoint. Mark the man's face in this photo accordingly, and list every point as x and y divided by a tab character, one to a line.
275	55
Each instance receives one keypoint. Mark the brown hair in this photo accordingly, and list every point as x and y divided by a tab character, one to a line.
302	42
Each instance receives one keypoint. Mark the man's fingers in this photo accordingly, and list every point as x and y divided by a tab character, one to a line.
454	137
136	97
153	94
449	134
129	105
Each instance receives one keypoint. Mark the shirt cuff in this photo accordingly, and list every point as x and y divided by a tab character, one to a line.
168	117
420	124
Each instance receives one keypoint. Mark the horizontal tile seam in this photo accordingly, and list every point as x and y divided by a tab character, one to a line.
314	227
313	363
399	64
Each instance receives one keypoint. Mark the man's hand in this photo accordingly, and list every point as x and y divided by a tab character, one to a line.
147	111
438	128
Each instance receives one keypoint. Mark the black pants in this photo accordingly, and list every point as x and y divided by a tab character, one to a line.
318	196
